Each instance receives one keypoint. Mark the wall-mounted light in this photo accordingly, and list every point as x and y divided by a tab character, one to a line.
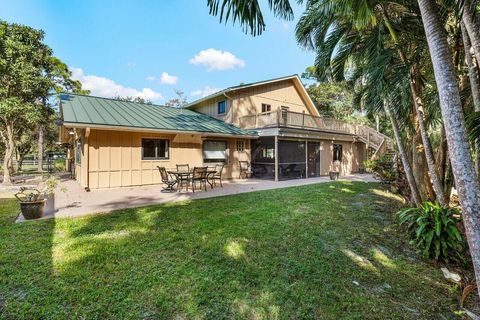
71	132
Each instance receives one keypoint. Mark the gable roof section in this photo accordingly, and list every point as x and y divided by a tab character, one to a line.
295	78
88	111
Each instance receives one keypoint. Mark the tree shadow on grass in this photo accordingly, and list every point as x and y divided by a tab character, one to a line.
289	253
26	269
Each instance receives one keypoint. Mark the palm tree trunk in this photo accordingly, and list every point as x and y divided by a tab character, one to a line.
436	184
472	27
466	182
475	87
404	157
417	102
442	158
40	130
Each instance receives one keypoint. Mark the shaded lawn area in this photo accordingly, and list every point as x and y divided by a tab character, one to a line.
324	251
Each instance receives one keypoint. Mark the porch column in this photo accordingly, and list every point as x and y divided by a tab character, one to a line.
306	159
276	158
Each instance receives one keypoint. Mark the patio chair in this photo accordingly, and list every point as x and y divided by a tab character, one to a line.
199	175
245	170
183	167
166	179
218	174
183	180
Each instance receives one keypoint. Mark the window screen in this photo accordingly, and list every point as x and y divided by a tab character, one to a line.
222	107
266	107
214	151
78	152
154	149
337	152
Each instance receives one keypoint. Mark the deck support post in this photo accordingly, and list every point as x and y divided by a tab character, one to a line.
276	158
306	159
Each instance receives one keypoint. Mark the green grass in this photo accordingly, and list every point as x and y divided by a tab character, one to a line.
325	251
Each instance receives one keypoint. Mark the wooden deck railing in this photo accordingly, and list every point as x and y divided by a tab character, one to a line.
289	119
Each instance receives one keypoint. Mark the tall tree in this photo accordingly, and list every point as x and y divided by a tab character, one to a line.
28	74
469	18
475	88
179	101
459	149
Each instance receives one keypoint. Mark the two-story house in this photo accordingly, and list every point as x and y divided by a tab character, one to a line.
272	124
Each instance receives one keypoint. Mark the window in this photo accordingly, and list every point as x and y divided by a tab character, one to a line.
78	152
337	152
284	114
222	107
154	149
240	145
215	151
266	107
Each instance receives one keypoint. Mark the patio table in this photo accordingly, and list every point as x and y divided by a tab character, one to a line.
182	175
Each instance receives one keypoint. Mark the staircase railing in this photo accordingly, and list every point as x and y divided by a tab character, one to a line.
282	118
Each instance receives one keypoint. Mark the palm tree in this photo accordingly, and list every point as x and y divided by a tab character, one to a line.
336	24
472	27
475	88
459	149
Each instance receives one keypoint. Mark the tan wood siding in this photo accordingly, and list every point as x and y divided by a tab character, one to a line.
116	161
249	101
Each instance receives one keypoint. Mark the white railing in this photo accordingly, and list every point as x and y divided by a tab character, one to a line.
279	118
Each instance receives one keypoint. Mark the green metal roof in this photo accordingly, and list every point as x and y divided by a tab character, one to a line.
101	112
240	86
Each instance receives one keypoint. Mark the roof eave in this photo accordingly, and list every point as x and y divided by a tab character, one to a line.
139	129
241	87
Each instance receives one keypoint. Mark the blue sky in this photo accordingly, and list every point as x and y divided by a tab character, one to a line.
124	47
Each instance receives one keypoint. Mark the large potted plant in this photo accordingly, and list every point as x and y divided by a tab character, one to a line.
334	175
34	203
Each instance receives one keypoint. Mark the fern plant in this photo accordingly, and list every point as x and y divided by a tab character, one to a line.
434	230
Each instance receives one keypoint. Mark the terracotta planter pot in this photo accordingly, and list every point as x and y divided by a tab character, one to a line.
33	210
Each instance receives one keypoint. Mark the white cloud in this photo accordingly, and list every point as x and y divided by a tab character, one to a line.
285	25
104	87
207	90
168	78
214	59
150	78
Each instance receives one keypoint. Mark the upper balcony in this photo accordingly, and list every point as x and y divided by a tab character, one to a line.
288	119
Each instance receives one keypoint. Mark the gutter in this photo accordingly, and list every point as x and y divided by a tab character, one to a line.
139	129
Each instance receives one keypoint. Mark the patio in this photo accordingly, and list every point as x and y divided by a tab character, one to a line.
76	202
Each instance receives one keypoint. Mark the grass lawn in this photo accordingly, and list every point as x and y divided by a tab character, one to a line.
325	251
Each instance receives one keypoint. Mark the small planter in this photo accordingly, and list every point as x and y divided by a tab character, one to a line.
33	210
334	175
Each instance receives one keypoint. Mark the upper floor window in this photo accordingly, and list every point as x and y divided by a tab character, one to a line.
222	107
154	149
285	114
266	107
337	152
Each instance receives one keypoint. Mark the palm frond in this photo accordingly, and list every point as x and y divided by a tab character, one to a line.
249	13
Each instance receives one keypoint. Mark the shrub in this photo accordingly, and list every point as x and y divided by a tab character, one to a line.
59	165
434	230
383	168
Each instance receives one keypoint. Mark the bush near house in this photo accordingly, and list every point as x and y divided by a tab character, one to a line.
435	231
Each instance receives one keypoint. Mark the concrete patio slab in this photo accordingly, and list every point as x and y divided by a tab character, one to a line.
76	202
